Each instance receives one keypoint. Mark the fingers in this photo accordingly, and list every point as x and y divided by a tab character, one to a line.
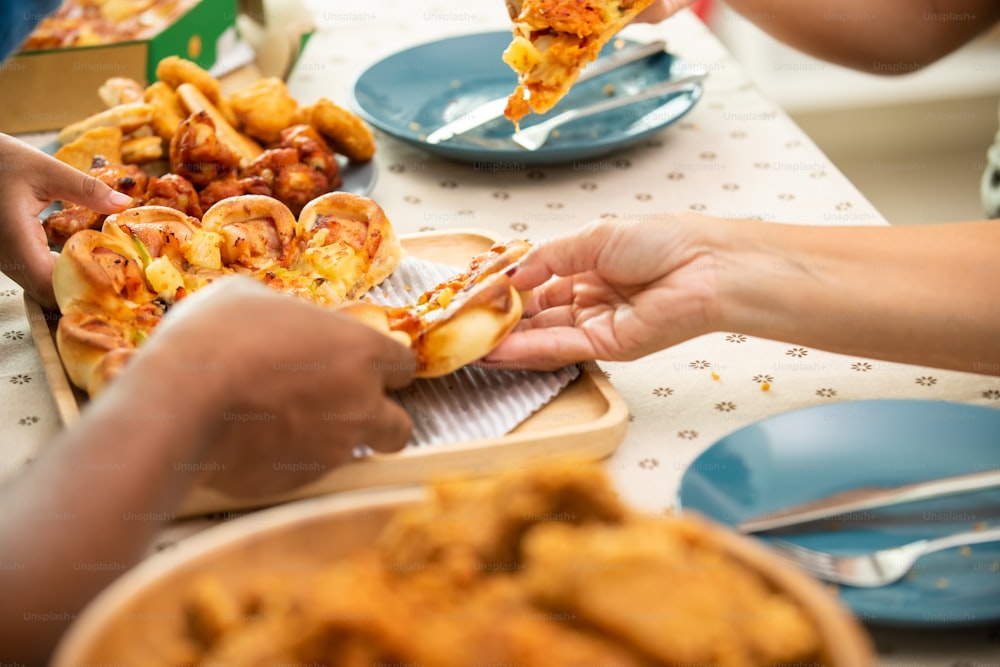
72	186
55	180
391	428
543	349
394	361
554	293
38	279
26	257
558	316
563	256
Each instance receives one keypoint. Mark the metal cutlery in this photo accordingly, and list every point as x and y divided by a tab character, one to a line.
869	498
878	568
494	108
534	137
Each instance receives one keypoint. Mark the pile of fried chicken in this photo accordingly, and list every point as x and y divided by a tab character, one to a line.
181	143
538	568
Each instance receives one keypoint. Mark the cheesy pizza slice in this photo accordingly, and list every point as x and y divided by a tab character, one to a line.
553	40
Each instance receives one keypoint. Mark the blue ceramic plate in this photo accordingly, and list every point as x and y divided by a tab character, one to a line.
813	452
412	93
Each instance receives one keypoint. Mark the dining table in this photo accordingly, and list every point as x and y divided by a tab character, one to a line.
736	154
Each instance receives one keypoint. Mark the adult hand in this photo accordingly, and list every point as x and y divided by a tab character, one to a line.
283	390
621	291
30	180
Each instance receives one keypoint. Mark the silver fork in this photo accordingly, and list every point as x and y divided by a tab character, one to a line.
534	137
878	568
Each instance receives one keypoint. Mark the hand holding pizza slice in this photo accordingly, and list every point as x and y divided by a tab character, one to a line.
460	320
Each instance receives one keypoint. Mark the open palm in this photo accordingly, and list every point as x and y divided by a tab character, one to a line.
620	292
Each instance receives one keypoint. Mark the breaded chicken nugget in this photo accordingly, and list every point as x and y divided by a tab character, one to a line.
140	150
167	110
264	109
175	71
347	134
80	154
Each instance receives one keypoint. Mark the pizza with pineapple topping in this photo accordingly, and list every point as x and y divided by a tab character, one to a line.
113	286
553	40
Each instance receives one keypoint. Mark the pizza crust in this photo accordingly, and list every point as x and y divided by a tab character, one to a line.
94	348
349	216
470	330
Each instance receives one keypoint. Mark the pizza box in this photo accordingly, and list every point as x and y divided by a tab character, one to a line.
587	419
49	89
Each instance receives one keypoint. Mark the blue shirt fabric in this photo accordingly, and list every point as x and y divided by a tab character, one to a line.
18	18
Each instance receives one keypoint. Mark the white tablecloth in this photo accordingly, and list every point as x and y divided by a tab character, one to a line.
735	155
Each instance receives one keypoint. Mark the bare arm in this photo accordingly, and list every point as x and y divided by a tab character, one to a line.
618	291
87	510
204	401
877	36
916	294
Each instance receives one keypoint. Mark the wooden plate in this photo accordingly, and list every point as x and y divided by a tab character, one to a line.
587	419
137	617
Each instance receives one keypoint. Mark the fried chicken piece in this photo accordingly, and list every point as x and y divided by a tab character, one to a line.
264	109
346	132
197	154
62	224
105	142
662	587
231	186
345	615
474	527
174	70
127	178
142	150
167	111
359	612
495	623
293	183
175	192
313	151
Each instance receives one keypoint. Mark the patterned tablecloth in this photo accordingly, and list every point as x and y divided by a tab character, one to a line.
735	155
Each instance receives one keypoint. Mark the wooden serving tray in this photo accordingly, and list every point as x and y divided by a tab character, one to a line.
587	419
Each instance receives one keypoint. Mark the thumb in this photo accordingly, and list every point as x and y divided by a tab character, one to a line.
562	256
59	181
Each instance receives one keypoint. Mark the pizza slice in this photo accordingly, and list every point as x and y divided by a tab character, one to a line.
553	40
460	320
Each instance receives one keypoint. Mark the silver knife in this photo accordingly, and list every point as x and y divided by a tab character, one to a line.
869	498
494	108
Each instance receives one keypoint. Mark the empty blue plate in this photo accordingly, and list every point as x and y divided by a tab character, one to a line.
414	92
814	452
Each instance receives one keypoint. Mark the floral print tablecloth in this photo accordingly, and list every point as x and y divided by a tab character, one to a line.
735	155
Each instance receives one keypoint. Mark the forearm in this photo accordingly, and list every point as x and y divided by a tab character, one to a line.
922	294
877	36
90	506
